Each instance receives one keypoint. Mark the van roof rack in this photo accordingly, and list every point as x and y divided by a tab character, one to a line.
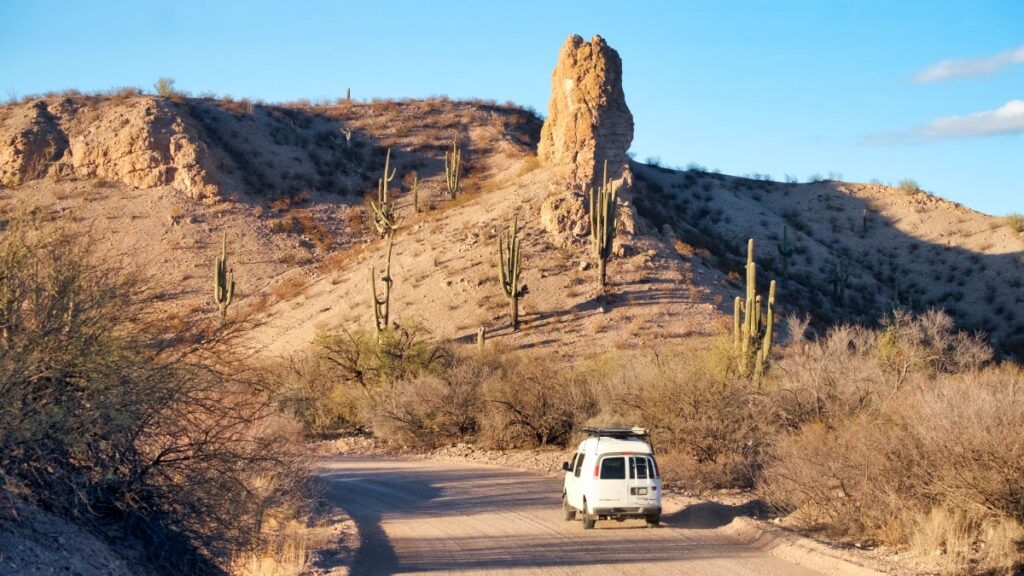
617	432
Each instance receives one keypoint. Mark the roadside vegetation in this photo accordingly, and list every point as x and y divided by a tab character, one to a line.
118	420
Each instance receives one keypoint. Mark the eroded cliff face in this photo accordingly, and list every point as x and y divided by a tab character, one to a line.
141	141
588	120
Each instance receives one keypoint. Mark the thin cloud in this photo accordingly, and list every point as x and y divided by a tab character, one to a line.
1007	119
965	67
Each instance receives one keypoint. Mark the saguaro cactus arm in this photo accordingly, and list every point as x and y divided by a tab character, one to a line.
384	216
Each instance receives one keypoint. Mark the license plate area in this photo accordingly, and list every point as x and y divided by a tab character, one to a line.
638	491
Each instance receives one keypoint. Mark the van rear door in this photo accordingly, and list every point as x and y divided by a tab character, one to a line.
611	485
642	490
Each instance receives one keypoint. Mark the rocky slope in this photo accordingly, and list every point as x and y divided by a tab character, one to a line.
156	181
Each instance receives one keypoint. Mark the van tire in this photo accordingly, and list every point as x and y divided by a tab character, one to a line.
653	521
569	511
588	520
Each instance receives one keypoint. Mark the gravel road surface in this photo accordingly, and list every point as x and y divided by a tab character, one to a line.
424	517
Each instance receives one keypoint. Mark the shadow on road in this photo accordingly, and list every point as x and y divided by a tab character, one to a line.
711	515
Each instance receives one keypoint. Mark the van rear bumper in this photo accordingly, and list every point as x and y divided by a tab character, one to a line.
628	512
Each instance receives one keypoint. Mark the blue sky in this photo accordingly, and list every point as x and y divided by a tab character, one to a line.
929	90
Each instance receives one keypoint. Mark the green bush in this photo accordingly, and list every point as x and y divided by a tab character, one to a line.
908	186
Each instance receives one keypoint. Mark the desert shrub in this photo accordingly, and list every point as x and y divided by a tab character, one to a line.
417	393
309	391
905	436
366	368
108	413
443	405
535	401
708	425
939	467
908	186
1015	222
165	89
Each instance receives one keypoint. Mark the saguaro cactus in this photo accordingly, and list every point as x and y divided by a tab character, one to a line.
415	192
508	270
602	223
382	302
785	251
839	275
223	280
452	169
384	218
752	335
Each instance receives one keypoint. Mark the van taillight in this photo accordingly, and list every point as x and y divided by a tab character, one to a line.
597	468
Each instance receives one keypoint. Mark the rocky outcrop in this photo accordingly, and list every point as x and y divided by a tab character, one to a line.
564	215
143	142
588	120
31	142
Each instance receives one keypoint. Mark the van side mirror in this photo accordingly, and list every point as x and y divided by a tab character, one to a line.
565	466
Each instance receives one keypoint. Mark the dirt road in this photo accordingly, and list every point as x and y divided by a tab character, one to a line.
421	517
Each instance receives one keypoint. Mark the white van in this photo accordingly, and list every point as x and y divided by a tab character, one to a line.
613	475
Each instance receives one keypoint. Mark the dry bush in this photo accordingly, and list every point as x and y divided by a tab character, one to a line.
164	88
535	401
305	223
415	393
709	426
309	391
903	437
367	367
908	186
442	406
1015	222
108	413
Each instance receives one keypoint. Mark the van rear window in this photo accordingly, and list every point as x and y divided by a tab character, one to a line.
613	468
638	468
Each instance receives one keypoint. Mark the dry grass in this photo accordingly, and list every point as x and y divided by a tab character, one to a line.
286	555
1015	222
304	223
293	286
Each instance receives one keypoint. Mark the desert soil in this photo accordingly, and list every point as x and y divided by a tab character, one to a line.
419	517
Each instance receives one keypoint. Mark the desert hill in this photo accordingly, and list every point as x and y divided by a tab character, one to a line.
157	180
